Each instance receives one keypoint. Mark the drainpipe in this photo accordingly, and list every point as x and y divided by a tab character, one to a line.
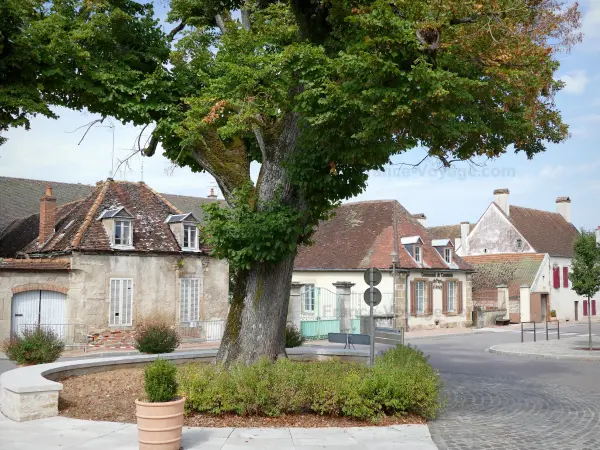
406	303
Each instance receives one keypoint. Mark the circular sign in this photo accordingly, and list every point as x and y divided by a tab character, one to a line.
376	296
373	275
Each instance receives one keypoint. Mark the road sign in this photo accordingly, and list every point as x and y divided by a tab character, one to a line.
376	296
373	274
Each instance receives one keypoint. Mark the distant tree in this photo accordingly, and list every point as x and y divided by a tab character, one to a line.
585	270
318	92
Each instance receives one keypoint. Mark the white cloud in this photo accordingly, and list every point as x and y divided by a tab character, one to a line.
576	81
590	25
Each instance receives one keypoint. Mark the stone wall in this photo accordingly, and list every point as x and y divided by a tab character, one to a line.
485	318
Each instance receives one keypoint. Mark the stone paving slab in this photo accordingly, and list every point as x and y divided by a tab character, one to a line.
569	348
64	433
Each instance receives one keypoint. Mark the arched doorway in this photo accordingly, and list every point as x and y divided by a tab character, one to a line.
38	307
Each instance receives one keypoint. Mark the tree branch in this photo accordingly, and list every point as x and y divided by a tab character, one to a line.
220	23
176	30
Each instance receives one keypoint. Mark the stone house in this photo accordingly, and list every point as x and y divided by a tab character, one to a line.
105	261
422	277
522	257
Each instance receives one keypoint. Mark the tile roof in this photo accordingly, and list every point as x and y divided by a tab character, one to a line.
547	232
362	233
20	197
512	269
35	264
447	231
78	228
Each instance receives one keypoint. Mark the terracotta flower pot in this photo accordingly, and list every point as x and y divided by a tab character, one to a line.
160	424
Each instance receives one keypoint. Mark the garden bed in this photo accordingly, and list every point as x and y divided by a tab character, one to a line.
109	396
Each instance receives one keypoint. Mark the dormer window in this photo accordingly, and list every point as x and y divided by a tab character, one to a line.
448	255
190	236
118	223
123	232
414	246
185	229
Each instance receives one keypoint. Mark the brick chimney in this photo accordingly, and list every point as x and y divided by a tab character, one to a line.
212	193
563	207
47	215
501	199
465	229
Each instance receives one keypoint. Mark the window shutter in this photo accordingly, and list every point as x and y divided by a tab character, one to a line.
413	299
445	298
429	298
593	307
459	297
585	308
565	277
556	276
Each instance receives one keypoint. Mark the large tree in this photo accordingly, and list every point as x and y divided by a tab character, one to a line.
319	92
585	271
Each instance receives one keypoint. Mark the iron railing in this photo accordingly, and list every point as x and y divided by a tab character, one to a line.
71	334
202	331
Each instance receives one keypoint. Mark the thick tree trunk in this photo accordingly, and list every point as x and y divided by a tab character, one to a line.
257	318
258	313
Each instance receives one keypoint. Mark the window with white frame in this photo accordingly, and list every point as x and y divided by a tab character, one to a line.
121	302
418	254
420	293
308	298
190	237
448	255
189	300
451	296
123	232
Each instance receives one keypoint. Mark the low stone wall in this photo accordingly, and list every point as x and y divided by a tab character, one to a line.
29	393
485	318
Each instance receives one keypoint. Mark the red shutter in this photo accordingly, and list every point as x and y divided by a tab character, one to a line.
459	296
565	277
556	273
593	307
585	307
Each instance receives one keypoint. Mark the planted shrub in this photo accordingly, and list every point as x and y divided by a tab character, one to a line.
156	335
293	336
400	382
160	381
33	346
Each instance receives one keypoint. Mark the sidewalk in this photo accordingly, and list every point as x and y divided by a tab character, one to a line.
569	348
64	433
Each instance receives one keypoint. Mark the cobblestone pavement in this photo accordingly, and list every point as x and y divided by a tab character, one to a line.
569	348
496	413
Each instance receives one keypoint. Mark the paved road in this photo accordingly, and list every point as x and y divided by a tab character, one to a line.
514	403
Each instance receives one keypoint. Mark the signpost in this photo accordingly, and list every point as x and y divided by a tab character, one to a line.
372	298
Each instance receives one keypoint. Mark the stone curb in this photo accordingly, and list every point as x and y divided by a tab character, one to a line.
495	349
445	336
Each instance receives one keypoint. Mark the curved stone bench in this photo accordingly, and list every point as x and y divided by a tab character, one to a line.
29	393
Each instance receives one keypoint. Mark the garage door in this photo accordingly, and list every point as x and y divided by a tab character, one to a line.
39	308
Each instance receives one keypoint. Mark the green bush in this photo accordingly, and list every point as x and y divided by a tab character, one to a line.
33	346
293	336
160	381
400	382
156	335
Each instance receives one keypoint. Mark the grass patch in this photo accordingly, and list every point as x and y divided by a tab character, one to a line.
401	382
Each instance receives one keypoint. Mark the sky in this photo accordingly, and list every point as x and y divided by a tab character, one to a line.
52	151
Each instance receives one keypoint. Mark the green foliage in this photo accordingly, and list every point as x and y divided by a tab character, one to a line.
293	336
160	381
401	382
553	313
33	346
156	335
585	267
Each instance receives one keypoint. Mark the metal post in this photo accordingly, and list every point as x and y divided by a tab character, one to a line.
558	325
521	332
546	330
534	336
394	290
372	322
